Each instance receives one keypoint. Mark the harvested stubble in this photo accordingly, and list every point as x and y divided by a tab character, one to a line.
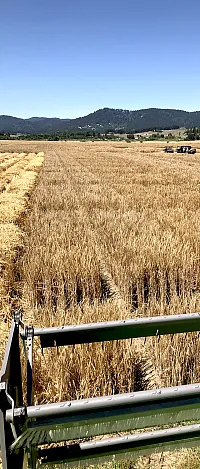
111	222
18	172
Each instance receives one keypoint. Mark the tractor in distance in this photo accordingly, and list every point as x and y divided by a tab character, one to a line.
168	150
186	149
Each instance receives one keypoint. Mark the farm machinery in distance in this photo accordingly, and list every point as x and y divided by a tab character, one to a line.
182	149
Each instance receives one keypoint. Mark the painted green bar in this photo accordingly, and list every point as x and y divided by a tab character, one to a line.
115	330
63	430
109	414
125	447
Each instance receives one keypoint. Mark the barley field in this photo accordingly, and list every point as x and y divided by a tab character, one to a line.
112	231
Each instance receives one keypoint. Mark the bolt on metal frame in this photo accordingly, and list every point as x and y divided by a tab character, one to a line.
29	426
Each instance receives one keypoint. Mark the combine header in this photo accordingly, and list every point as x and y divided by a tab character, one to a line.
25	428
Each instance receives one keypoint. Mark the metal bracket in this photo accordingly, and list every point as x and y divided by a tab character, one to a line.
29	356
20	413
18	318
10	400
3	386
28	332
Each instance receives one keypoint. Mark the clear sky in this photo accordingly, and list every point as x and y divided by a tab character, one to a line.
64	58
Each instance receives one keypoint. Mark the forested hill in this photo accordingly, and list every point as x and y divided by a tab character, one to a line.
104	120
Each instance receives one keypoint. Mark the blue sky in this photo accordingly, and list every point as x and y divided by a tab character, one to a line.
66	59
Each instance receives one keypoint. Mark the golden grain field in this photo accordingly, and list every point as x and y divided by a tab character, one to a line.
112	232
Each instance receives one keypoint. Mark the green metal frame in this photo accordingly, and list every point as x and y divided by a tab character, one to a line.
125	447
25	428
11	396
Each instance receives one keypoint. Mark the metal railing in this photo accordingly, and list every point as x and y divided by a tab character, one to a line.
115	330
26	427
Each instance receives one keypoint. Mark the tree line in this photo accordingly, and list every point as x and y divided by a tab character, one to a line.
111	134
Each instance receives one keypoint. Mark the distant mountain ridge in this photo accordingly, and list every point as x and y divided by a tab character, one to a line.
103	120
